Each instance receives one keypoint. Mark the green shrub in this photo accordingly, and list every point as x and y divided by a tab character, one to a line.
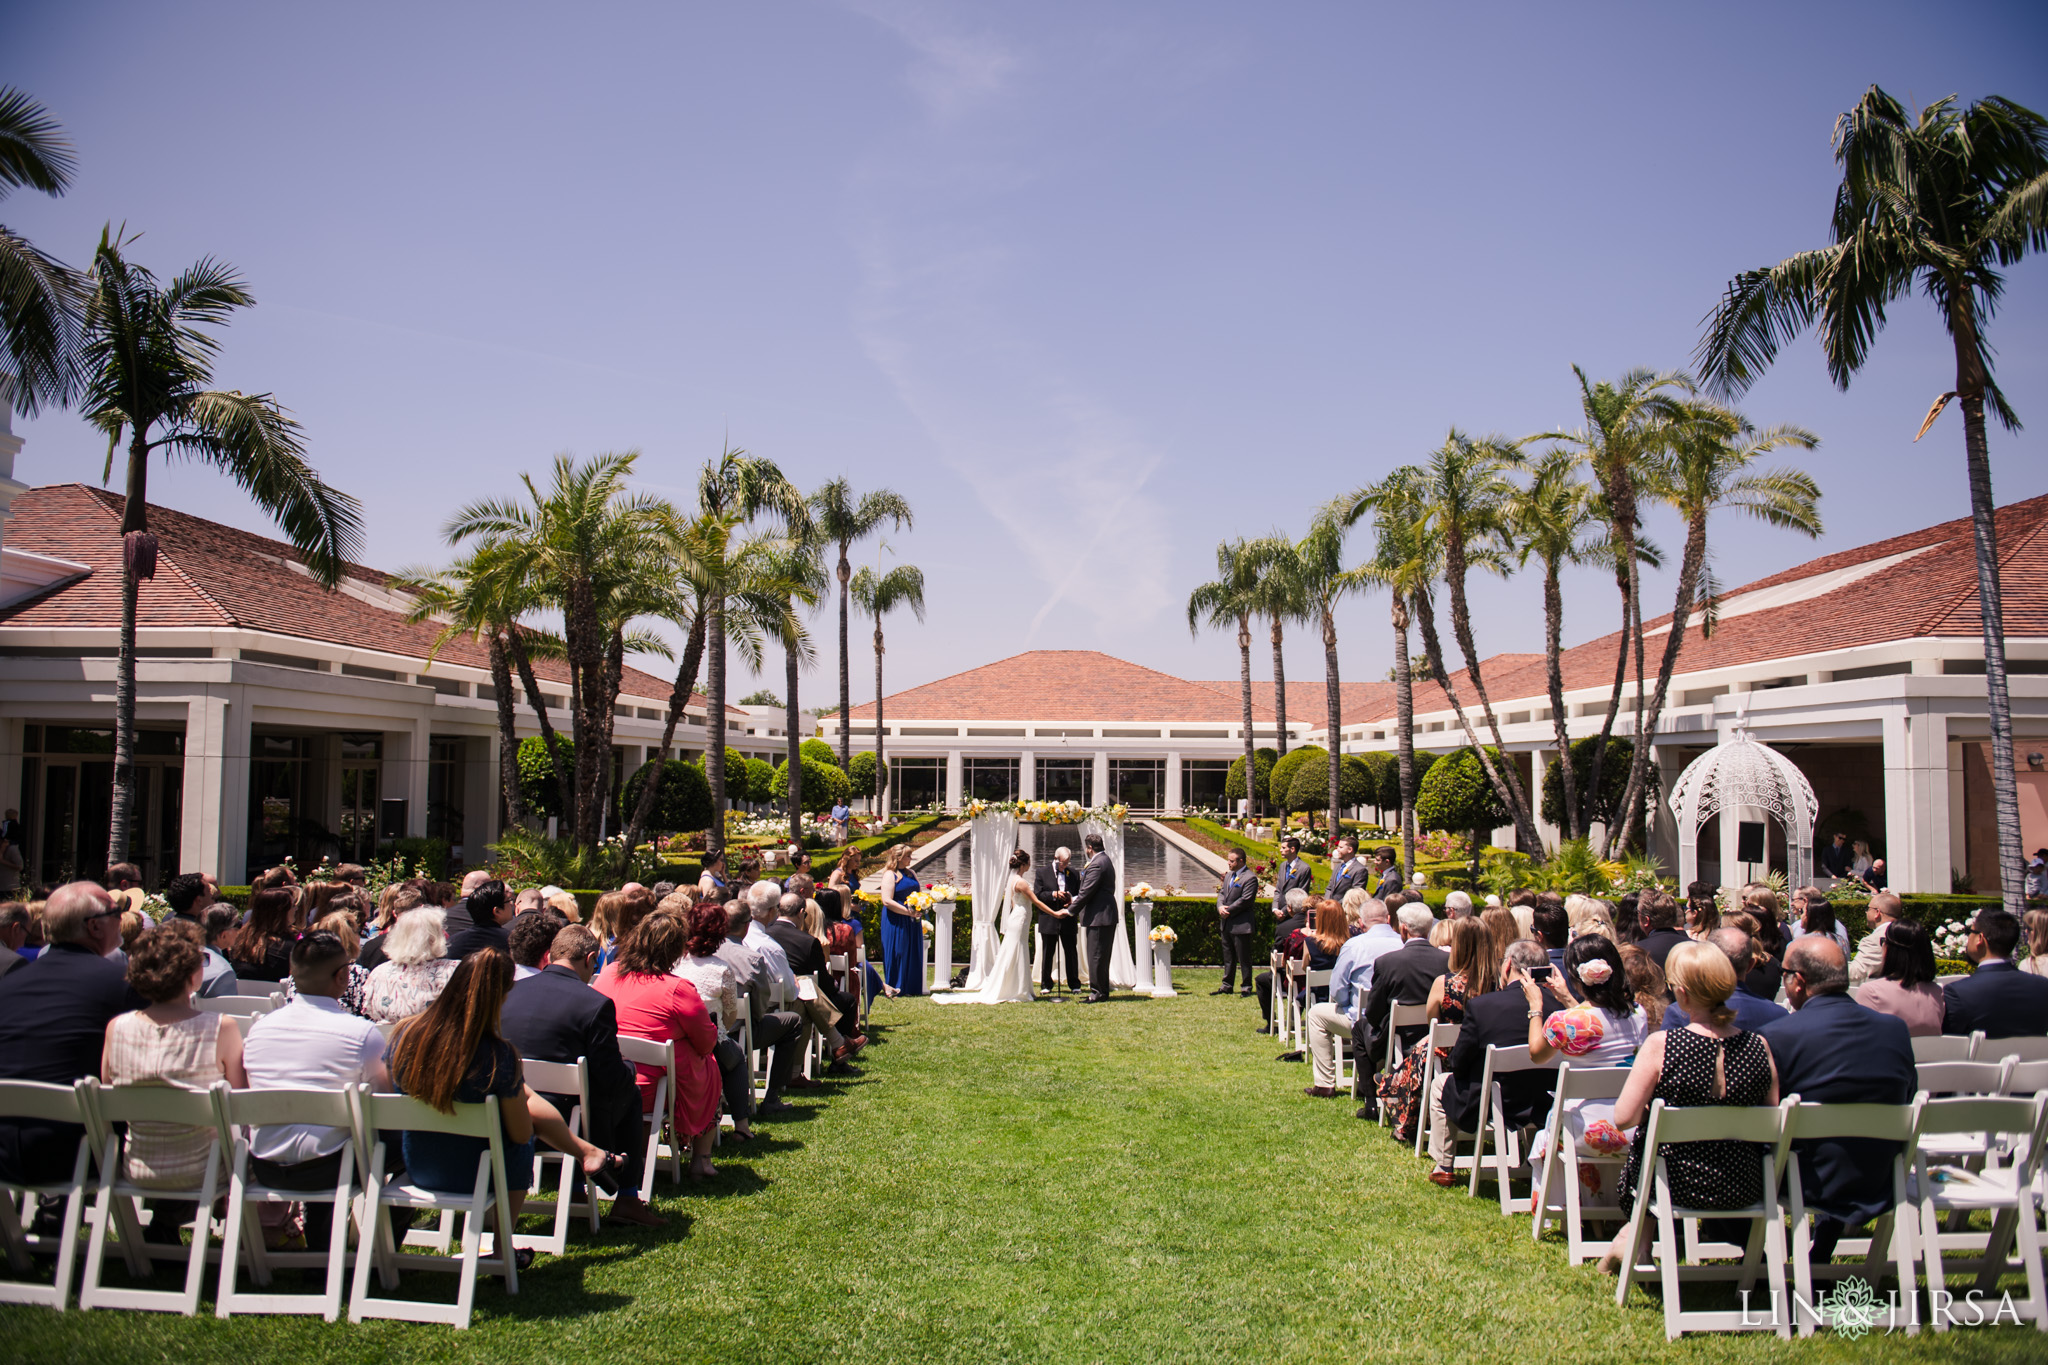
429	858
761	788
540	785
818	751
824	783
1262	774
1613	779
682	805
1383	775
1309	787
860	771
1457	795
1279	784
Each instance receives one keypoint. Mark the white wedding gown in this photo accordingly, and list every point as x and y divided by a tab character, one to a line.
1010	977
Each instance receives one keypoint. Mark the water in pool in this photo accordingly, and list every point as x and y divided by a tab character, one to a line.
1147	858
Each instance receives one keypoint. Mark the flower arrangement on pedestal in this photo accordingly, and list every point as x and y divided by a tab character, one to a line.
1164	934
942	891
1141	891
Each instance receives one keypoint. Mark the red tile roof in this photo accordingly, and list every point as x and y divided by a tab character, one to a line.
1306	700
214	576
1064	684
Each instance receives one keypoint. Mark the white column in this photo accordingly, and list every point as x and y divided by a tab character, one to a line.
1171	801
1958	828
479	796
1102	796
1916	797
10	446
1027	776
1550	834
1664	831
214	834
953	779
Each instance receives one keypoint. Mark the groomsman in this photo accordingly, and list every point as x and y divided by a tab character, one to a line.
1235	900
1294	870
1347	869
1386	872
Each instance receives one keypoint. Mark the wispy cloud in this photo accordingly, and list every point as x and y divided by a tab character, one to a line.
956	70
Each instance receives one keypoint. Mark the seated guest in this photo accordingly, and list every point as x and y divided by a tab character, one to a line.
843	937
1998	998
1659	916
354	995
490	915
1904	986
653	1003
1883	912
261	948
1628	922
616	915
399	899
1500	922
1766	951
703	968
2035	922
1711	1061
1341	1016
312	1043
14	936
1329	930
1645	982
1702	911
1504	1017
764	900
1403	976
531	938
415	970
189	895
1471	970
1286	934
555	1016
1606	1028
783	1030
1832	1050
460	918
806	957
1816	916
1551	926
1751	1012
563	904
272	878
53	1024
133	924
454	1054
168	1042
1590	916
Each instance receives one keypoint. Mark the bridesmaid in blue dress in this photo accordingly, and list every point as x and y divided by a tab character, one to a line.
902	927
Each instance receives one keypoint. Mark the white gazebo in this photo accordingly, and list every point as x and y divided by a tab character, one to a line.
1736	777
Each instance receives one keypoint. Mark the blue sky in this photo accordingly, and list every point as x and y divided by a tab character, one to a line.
1096	286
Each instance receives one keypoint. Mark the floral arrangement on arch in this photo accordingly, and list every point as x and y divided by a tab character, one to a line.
1163	933
1047	812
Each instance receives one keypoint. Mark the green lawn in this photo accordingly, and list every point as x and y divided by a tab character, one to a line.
1132	1182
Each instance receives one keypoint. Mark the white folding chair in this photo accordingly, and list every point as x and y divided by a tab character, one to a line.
2026	1078
2006	1192
1893	1230
39	1103
1274	1023
1961	1079
258	988
236	1113
1441	1035
1399	1016
814	1045
2021	1049
661	1120
115	1207
1710	1123
242	1007
1945	1047
1559	1187
1306	983
487	1198
559	1078
1508	1160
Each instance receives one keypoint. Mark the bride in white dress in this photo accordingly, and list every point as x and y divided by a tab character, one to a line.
1010	978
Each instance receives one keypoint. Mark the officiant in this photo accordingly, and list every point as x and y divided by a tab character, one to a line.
1058	930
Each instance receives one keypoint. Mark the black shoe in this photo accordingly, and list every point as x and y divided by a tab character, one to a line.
1247	994
605	1177
1288	1057
1223	990
770	1108
1095	1000
1370	1110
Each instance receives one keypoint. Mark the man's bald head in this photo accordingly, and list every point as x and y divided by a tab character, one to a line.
1818	960
1735	943
474	878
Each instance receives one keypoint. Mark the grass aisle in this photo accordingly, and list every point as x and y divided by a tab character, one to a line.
1133	1182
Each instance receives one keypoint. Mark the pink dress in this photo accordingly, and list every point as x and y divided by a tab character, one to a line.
667	1008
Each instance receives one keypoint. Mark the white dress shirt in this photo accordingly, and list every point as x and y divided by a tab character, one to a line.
312	1043
762	942
1351	976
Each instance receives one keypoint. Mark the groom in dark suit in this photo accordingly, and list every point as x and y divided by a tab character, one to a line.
1095	908
1058	931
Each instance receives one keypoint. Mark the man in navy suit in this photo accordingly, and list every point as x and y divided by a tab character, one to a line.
1236	900
1831	1050
1998	997
1293	871
1346	869
555	1016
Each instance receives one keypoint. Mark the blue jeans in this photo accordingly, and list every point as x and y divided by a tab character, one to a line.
446	1163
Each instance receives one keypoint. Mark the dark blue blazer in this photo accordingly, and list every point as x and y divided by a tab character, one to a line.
1998	998
53	1028
1752	1012
1344	878
552	1016
1834	1051
1292	874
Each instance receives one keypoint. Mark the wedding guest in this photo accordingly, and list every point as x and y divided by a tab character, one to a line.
356	985
1605	1029
806	957
1883	912
1500	922
782	1030
490	918
654	1003
1997	997
261	949
1645	981
2035	922
1816	916
1658	914
1711	1061
397	899
1752	1012
531	938
1905	985
415	970
1286	939
14	936
1702	911
168	1042
1503	1017
1759	920
702	967
1835	856
1472	971
1350	984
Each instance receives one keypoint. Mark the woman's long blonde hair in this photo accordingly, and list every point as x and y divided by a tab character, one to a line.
1703	972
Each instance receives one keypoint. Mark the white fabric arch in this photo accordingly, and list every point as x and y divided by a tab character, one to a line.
993	840
1737	773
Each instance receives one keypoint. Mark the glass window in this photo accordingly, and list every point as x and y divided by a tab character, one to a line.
1066	779
1139	783
77	739
1201	782
989	779
361	747
917	782
444	790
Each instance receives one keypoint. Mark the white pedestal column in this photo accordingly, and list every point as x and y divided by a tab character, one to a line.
1141	943
1170	799
942	945
1102	795
1162	971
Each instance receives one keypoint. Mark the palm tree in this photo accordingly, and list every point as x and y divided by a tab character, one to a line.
732	491
1406	559
878	594
801	569
1942	203
1231	599
843	520
1280	600
40	298
1466	495
1626	424
1316	569
147	366
586	546
1705	468
1549	521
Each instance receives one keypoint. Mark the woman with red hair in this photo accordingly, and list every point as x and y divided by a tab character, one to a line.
654	1003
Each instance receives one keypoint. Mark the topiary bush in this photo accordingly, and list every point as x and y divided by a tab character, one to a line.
818	751
1383	775
682	805
761	787
1262	775
540	785
1279	784
860	771
1308	789
1613	779
824	783
1456	795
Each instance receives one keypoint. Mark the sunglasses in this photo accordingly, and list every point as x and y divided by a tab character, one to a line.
114	913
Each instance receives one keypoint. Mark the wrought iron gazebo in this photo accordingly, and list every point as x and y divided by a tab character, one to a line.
1744	773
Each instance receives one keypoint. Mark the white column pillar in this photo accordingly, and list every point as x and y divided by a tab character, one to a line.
1027	776
214	835
479	796
1664	830
1958	829
954	794
1916	797
10	446
1550	834
1102	793
1170	799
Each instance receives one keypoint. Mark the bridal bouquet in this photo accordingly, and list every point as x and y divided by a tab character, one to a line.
920	901
1163	933
1142	891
